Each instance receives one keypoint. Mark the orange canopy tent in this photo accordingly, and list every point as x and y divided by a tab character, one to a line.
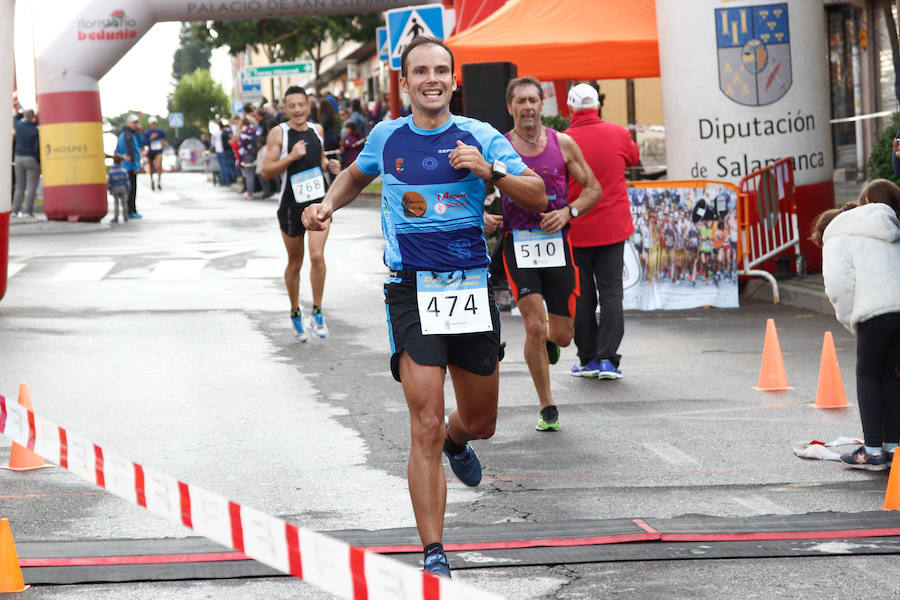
573	39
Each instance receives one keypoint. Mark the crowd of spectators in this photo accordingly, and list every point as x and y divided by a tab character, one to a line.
236	147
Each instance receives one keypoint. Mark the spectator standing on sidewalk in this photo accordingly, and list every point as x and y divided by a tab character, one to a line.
328	119
129	145
598	238
247	148
26	162
357	116
351	144
861	268
225	155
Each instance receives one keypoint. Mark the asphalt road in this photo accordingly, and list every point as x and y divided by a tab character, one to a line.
168	341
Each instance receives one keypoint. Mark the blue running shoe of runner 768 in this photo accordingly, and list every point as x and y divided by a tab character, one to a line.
591	369
300	332
607	370
437	564
318	325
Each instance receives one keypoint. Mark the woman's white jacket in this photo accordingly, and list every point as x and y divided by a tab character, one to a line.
861	263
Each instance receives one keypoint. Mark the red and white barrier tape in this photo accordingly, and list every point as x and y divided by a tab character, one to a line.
329	564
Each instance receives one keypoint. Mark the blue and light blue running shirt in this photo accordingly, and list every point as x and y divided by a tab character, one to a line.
431	213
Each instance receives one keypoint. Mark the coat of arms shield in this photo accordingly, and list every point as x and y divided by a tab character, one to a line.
754	45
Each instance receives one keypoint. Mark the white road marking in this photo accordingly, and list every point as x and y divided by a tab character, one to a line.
84	271
760	505
264	268
177	269
14	268
669	453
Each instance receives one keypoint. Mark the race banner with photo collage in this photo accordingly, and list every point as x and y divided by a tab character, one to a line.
683	253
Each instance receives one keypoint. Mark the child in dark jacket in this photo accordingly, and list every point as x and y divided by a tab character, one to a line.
118	183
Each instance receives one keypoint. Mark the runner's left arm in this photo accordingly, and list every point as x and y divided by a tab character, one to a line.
591	192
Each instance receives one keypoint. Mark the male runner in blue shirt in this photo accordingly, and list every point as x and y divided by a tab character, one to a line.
441	312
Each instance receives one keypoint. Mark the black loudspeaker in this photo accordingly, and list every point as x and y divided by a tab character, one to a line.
484	92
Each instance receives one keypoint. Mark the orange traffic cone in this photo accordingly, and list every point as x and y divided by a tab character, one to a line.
772	377
20	457
830	391
10	573
892	496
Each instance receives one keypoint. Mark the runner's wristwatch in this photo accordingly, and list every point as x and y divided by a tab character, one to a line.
573	211
498	170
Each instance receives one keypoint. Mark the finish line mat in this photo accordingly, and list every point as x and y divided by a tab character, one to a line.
687	537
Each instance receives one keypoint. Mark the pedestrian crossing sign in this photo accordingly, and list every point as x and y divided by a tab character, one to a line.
404	24
381	42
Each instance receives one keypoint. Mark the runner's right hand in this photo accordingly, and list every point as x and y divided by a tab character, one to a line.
298	151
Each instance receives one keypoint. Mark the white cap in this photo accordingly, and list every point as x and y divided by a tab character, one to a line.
583	96
132	118
152	119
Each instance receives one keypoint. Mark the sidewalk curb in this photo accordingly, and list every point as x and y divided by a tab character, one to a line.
807	293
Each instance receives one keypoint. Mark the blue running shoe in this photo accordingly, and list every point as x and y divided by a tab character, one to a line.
591	369
607	370
300	332
318	325
437	564
466	466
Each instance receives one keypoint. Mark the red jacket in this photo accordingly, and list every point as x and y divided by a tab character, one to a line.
608	149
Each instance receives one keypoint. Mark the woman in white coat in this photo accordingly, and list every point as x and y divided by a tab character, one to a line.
861	268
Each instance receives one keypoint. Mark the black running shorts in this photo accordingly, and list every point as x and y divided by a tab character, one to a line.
290	217
558	285
477	353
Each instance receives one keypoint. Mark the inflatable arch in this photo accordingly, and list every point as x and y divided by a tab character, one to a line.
68	72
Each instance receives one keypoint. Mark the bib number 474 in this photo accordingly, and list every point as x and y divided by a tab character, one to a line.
450	303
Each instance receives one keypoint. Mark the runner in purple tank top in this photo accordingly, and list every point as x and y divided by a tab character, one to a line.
536	254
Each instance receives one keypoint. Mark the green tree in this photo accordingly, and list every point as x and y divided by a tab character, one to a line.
200	99
882	156
193	52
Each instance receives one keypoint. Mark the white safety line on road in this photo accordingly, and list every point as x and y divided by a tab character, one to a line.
264	268
177	269
84	271
14	268
669	453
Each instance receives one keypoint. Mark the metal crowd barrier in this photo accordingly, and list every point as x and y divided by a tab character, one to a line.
767	220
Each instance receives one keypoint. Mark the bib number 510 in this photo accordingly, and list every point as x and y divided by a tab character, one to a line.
535	249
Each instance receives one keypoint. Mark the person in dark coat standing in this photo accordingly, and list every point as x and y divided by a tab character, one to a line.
129	145
26	162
